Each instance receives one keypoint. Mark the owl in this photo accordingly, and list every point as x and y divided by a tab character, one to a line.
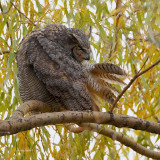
53	67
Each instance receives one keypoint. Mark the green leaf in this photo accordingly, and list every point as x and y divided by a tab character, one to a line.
39	6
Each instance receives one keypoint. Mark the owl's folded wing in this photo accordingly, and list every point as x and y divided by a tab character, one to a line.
63	77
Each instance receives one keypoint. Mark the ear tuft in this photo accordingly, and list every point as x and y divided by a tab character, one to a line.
88	32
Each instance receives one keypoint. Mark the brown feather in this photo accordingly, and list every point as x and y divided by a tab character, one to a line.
101	76
104	94
104	68
98	83
101	89
111	79
108	68
110	72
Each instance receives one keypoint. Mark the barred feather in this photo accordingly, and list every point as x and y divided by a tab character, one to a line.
111	79
108	68
104	85
101	76
104	94
105	68
98	87
107	71
93	84
97	84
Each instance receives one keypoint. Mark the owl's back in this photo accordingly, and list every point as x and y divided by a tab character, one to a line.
31	87
48	73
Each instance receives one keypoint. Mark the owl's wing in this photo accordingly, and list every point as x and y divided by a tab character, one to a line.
63	77
101	77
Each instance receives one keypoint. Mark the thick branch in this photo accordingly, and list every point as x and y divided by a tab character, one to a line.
131	81
74	129
16	123
13	126
122	139
30	106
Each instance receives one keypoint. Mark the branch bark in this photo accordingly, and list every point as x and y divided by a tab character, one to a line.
18	123
15	125
29	106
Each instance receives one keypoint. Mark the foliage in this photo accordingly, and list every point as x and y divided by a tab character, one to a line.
123	32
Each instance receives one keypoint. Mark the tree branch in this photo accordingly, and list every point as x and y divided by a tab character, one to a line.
148	39
130	83
122	139
29	106
74	129
15	125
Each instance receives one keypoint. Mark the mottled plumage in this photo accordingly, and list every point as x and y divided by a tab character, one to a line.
53	67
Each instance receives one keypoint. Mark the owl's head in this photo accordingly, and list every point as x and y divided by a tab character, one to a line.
80	45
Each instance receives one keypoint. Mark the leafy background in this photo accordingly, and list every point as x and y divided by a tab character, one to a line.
124	32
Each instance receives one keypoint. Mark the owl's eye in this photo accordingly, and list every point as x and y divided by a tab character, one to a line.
79	48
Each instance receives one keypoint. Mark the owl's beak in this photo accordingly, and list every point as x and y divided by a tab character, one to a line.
87	57
86	54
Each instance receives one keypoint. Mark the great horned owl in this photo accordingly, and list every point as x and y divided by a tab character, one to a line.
53	67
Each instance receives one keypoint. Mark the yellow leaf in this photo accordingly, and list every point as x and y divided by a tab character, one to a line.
11	153
26	6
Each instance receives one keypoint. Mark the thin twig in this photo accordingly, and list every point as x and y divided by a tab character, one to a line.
4	52
143	64
7	10
142	39
130	83
24	14
158	120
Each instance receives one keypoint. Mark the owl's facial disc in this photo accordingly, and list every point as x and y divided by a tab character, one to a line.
80	54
